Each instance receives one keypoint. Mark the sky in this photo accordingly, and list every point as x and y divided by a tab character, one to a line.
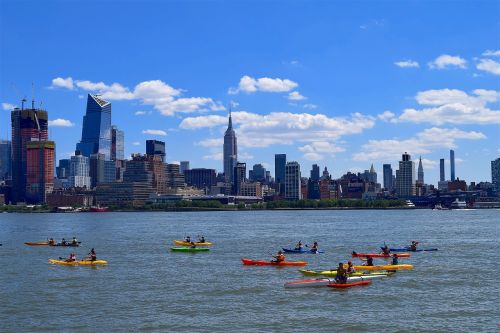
342	85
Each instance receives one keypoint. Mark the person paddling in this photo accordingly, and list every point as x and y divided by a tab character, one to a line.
280	257
52	241
413	245
72	257
314	248
298	246
63	242
341	276
395	260
188	239
386	250
350	268
202	239
369	261
92	255
193	245
74	241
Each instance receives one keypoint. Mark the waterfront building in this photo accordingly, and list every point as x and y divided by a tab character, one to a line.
405	177
369	176
315	173
495	174
387	172
200	178
279	172
452	165
258	173
441	170
5	160
156	148
62	171
73	197
420	173
27	125
230	151
292	181
101	170
240	172
148	169
313	188
96	130
40	159
457	185
251	189
184	166
326	174
117	144
79	171
174	178
123	193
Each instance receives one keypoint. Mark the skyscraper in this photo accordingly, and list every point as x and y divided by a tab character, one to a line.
230	151
452	164
101	170
27	125
155	147
441	170
405	177
5	159
96	131
240	172
258	173
495	174
62	171
79	168
292	181
279	171
420	174
184	166
387	170
117	144
40	160
315	173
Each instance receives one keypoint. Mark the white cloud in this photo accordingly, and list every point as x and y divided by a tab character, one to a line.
490	53
136	143
59	82
59	122
448	61
310	106
140	113
8	106
250	85
154	132
407	63
422	143
490	66
455	107
115	91
296	96
429	164
386	116
245	156
317	150
215	156
211	143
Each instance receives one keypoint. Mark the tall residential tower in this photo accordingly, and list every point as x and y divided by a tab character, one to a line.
230	151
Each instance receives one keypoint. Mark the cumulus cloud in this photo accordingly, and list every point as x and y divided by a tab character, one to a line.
387	116
310	106
296	96
447	61
154	132
318	150
140	113
59	122
60	82
491	53
215	156
490	66
8	106
163	97
455	107
407	63
422	143
250	85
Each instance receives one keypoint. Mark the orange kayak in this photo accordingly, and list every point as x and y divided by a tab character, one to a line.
273	263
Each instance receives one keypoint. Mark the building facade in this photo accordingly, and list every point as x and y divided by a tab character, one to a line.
5	160
420	173
387	172
200	178
230	151
452	165
79	168
279	172
442	176
292	181
405	177
184	166
156	147
495	174
240	173
40	167
117	144
315	173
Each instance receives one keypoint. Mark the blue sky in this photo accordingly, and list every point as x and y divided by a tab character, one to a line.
338	84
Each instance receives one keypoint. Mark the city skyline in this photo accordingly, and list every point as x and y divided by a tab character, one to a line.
335	106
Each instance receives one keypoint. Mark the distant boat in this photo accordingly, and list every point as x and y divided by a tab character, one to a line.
457	204
410	204
98	209
439	207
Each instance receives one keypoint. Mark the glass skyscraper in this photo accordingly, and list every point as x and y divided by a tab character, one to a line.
230	151
117	144
96	131
5	159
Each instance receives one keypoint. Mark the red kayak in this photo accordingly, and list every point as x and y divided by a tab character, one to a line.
265	262
347	285
379	255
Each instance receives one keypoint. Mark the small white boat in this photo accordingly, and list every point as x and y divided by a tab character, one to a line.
457	204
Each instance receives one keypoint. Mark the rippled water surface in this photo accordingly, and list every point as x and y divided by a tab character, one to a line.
147	288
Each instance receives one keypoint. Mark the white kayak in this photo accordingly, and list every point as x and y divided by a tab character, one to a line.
323	282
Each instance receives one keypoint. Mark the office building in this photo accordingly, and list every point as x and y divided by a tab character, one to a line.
184	166
156	148
27	125
62	171
230	151
405	177
315	173
326	174
387	171
5	159
258	173
495	174
292	181
442	176
96	130
40	160
251	189
420	173
279	172
452	165
200	178
101	170
174	178
148	169
79	171
240	172
117	144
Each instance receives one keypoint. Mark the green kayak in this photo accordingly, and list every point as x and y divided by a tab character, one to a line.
189	249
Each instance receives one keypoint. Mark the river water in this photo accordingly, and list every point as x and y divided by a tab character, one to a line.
148	288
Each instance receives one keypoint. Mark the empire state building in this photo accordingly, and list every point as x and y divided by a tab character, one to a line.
230	151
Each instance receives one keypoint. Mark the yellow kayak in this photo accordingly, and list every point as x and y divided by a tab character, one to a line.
383	267
81	262
333	273
36	243
184	243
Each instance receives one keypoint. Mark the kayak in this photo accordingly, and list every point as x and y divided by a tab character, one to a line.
81	262
274	263
301	251
321	282
349	284
189	249
382	267
333	273
408	249
66	245
184	243
379	255
36	243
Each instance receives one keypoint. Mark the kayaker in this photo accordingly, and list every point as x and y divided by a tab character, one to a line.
72	257
52	241
92	255
188	239
280	257
193	245
341	276
413	245
74	241
63	242
386	250
395	259
350	268
202	239
369	261
298	246
314	247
